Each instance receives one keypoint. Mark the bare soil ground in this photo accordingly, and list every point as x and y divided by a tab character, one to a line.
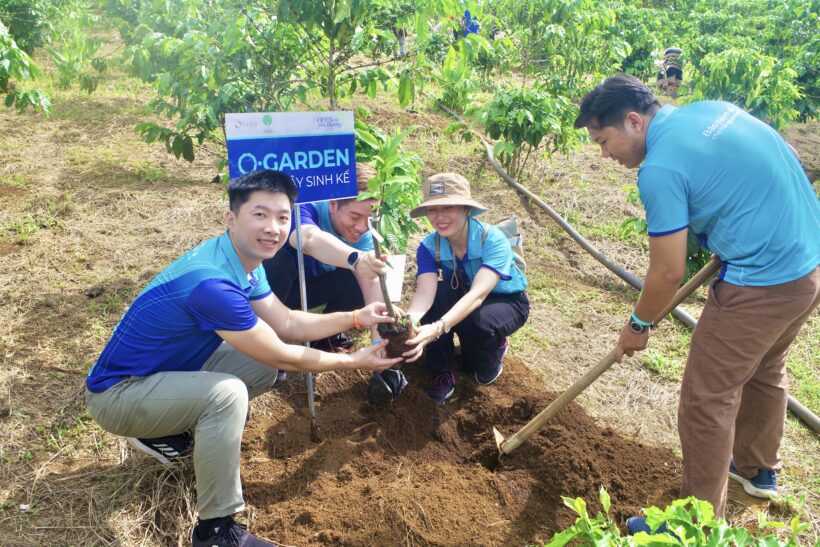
413	473
88	215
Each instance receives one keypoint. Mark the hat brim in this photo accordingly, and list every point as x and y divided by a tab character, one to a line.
421	210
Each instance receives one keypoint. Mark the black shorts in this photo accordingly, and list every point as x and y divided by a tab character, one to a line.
674	72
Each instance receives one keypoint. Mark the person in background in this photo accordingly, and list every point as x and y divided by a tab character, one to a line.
204	337
341	270
670	76
470	24
713	169
401	38
480	296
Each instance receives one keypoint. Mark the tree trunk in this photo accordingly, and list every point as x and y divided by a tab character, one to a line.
331	75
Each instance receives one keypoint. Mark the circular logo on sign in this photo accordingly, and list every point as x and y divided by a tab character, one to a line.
266	119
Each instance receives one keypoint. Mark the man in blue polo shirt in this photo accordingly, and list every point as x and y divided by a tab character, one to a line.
341	270
191	351
714	170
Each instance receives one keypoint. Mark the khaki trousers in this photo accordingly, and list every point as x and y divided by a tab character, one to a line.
734	391
212	403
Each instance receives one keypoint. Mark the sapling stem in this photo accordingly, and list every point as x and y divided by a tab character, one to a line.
383	278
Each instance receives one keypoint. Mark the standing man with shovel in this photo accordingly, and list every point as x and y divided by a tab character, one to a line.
711	168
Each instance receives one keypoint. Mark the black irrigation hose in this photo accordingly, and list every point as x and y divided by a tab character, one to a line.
798	409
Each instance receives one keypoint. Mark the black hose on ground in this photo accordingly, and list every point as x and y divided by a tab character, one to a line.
798	409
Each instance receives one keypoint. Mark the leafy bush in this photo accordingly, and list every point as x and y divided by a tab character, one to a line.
456	78
806	64
15	64
690	521
27	21
647	32
528	121
750	79
436	45
74	59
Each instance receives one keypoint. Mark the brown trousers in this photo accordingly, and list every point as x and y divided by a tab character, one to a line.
734	391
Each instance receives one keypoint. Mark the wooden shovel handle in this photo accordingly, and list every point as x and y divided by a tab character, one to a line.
575	389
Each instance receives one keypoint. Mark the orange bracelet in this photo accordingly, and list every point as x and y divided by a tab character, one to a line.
356	323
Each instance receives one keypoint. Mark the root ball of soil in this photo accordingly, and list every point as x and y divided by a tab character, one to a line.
396	335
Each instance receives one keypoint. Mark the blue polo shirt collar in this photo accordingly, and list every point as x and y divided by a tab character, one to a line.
656	123
240	276
323	208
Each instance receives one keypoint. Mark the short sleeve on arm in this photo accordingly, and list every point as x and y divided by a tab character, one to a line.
218	304
664	196
262	288
425	261
308	216
496	253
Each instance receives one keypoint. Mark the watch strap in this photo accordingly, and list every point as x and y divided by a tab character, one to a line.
640	321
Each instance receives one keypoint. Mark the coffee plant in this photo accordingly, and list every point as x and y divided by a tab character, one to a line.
15	67
688	522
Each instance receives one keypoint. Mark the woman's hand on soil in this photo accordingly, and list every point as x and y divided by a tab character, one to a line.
425	335
374	313
373	357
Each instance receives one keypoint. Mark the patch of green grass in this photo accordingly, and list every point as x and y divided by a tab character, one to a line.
615	231
658	362
526	337
581	183
80	156
538	280
121	169
571	216
14	181
100	331
803	364
667	352
589	295
148	172
68	136
22	229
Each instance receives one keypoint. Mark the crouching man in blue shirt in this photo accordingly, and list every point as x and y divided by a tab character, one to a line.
191	351
711	168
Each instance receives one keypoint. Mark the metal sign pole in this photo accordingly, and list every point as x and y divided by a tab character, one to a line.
300	261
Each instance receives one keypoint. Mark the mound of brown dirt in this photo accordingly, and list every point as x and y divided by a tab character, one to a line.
411	473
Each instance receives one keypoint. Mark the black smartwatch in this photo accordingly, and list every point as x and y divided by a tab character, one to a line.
636	327
353	259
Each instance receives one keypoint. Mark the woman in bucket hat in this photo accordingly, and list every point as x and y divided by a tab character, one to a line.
480	295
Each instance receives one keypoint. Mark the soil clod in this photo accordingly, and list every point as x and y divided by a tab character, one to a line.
396	335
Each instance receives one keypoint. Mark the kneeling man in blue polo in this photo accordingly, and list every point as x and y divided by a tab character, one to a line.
341	270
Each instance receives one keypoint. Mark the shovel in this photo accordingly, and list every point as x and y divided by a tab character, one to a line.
506	446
